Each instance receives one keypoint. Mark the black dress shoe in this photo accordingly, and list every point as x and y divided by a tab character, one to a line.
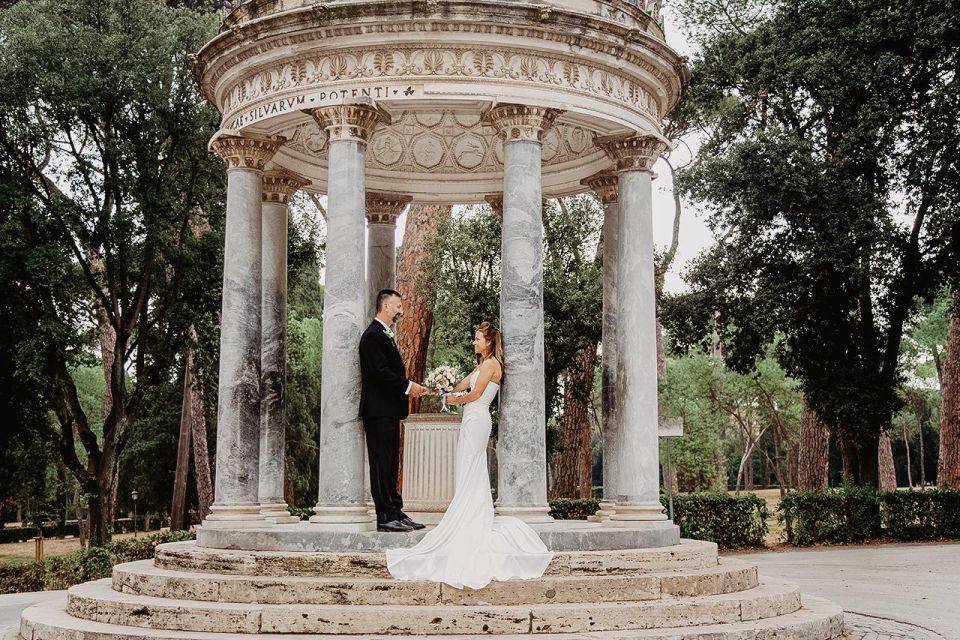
410	523
394	525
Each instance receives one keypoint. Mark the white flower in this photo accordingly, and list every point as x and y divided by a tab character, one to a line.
389	333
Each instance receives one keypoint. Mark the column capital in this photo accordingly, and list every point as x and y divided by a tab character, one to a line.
384	208
632	153
350	121
246	151
520	122
279	185
495	200
604	184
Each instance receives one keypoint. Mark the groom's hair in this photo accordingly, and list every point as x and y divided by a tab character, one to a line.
384	295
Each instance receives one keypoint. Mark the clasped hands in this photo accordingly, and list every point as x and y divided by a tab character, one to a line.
418	391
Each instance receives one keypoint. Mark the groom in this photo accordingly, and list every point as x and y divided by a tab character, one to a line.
383	404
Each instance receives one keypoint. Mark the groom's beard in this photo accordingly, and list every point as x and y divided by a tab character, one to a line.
396	318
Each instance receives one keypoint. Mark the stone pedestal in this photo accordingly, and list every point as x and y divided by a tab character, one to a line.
341	503
638	478
429	455
521	441
236	492
278	187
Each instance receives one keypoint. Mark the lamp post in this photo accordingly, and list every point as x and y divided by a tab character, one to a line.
134	496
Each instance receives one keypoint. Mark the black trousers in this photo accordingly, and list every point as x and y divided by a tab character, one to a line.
383	452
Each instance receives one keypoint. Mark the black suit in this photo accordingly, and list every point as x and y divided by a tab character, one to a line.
383	404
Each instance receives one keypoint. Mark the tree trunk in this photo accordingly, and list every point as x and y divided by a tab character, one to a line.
888	474
793	466
416	287
83	525
906	444
183	449
201	458
572	468
814	453
948	464
861	459
923	461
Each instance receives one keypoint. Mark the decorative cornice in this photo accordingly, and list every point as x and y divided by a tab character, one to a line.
520	122
632	153
384	208
279	185
604	184
246	151
349	121
495	200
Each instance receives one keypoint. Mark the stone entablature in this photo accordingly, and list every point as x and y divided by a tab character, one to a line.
642	14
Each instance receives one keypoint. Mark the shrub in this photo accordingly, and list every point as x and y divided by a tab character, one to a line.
61	572
21	578
303	513
573	508
921	515
730	521
850	514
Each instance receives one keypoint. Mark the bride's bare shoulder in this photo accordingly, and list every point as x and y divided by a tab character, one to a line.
492	366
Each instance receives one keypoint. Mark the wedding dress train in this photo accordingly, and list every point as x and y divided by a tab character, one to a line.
470	546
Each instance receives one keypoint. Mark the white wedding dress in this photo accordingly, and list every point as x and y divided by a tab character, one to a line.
470	546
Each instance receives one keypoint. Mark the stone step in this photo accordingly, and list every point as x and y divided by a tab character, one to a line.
99	602
144	578
187	556
817	620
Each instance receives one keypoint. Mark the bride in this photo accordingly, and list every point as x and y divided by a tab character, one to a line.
470	546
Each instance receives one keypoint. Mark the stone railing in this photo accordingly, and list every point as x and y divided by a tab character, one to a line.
619	10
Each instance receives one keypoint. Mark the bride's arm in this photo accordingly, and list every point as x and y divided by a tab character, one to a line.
463	385
487	369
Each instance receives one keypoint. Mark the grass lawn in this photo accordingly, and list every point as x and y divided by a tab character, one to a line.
16	552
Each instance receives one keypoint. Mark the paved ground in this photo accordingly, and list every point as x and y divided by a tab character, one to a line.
916	584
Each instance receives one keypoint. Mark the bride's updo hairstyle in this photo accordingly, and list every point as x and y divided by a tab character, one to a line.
493	337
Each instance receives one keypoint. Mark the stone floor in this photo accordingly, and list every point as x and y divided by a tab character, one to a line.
911	583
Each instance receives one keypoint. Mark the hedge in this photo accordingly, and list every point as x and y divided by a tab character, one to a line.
850	514
730	521
54	530
921	515
61	572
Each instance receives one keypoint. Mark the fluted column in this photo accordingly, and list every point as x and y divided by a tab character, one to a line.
278	187
236	492
340	503
637	477
382	211
521	439
604	184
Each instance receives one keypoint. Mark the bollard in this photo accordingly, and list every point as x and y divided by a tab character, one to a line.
38	547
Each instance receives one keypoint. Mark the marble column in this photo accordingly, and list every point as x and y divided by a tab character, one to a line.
236	491
278	187
638	477
382	211
341	504
521	438
604	184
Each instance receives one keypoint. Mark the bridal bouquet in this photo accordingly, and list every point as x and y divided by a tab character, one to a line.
441	379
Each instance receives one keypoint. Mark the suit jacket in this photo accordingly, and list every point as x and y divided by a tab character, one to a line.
383	381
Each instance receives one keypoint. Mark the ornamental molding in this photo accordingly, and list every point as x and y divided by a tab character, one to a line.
402	65
520	122
633	153
671	73
247	151
279	185
349	121
447	143
385	208
604	184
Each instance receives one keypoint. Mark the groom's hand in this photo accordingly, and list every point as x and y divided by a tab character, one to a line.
418	390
